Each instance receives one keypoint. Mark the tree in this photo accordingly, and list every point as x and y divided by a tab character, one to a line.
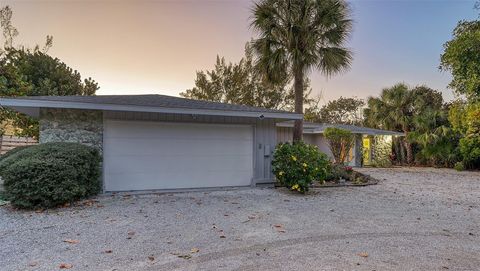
437	140
32	72
461	57
340	142
297	36
340	111
398	106
241	83
465	120
49	75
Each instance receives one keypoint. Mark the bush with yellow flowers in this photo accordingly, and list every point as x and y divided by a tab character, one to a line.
297	165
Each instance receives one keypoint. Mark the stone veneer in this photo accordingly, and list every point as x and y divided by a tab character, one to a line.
72	125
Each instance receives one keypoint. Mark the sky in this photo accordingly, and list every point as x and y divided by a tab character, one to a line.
145	47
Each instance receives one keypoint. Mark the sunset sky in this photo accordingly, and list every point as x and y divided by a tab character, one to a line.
138	47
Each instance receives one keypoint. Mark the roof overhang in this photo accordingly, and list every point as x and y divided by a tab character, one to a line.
32	107
318	128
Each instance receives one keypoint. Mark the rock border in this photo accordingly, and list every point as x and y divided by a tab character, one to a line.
371	181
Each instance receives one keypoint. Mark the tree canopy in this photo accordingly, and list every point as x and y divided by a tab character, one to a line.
462	58
32	72
241	83
340	111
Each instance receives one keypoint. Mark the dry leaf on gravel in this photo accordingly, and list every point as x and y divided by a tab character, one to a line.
194	250
108	251
71	241
183	256
32	264
363	254
279	228
65	266
151	258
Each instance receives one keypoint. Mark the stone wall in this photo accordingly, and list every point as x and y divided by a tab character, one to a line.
72	125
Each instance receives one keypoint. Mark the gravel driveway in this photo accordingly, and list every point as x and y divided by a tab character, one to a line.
415	219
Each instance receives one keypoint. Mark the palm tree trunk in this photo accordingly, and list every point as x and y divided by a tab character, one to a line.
409	149
298	88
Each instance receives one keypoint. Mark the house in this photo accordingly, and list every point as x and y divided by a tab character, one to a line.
162	142
364	151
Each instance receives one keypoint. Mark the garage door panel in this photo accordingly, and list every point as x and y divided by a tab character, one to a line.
174	181
180	147
138	129
153	155
123	165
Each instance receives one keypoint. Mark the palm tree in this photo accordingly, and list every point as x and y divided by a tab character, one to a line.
400	108
393	110
298	36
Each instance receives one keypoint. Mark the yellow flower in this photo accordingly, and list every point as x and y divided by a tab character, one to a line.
280	173
295	187
304	164
316	168
294	158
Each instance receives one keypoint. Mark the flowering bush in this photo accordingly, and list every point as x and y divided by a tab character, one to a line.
297	165
349	169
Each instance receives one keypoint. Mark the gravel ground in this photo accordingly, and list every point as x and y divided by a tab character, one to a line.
415	219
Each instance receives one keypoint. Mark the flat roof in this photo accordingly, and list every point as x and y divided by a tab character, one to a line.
319	128
142	103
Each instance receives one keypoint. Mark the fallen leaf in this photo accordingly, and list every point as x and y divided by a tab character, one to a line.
223	236
65	266
183	256
71	241
281	230
130	234
194	250
363	254
32	264
151	258
108	251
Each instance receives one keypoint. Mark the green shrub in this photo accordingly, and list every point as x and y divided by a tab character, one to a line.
12	151
297	165
51	174
337	172
459	166
470	150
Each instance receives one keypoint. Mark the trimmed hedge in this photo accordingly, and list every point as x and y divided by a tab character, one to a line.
51	174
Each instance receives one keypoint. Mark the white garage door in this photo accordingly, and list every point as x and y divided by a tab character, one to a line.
157	155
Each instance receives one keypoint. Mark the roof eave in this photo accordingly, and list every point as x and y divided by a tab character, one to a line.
30	103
